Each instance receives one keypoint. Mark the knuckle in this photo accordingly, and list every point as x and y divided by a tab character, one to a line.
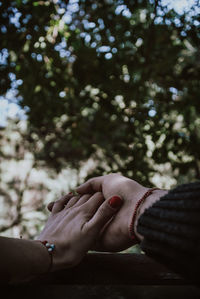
116	174
87	214
76	197
92	180
113	175
81	213
105	210
99	195
75	210
87	196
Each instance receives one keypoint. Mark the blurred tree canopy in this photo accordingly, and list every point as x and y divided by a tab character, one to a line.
114	80
26	185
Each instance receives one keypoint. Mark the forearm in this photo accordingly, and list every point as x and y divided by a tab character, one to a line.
21	259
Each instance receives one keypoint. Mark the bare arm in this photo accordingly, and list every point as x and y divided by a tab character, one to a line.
21	259
73	225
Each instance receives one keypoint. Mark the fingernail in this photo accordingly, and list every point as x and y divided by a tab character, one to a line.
115	202
70	193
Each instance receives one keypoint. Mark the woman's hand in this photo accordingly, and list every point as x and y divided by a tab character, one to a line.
115	236
75	224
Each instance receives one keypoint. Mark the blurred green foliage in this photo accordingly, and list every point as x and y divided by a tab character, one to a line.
117	81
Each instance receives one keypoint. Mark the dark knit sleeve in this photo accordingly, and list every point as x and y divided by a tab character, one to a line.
171	230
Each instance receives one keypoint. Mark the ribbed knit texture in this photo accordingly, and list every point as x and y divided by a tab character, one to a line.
171	230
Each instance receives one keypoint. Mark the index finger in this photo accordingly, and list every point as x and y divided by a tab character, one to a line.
91	186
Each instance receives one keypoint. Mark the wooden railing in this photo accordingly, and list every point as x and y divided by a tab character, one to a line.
113	269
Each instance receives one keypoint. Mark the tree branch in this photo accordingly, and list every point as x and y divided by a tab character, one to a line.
20	194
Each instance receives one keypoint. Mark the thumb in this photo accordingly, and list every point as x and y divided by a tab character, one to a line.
105	212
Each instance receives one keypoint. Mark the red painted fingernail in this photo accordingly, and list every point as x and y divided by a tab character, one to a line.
115	202
70	193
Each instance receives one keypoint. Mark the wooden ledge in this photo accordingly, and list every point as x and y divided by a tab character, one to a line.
113	269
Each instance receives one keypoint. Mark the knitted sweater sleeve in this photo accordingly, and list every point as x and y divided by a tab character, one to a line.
171	230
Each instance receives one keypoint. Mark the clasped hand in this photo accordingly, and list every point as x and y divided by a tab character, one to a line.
114	236
113	232
74	225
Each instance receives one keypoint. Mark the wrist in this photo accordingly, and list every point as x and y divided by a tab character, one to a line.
134	192
41	258
149	201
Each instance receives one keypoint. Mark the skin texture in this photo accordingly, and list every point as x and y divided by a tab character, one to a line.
115	236
73	226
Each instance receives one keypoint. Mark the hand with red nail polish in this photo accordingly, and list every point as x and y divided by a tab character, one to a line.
75	223
70	231
115	236
115	202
